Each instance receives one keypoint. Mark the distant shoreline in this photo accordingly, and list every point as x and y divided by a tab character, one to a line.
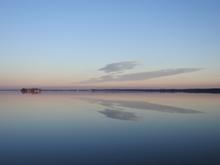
115	90
196	90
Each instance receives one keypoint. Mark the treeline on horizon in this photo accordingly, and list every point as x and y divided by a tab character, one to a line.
196	90
190	90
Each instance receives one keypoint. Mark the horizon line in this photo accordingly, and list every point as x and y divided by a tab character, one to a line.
158	90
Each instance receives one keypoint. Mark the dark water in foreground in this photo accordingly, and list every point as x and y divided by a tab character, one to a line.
105	128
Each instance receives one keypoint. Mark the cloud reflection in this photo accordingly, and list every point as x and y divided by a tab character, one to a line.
118	114
142	105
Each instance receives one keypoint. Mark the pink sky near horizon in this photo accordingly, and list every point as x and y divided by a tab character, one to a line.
175	81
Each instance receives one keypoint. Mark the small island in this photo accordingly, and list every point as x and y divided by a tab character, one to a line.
30	90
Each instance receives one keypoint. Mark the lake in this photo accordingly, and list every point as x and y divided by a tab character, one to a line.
109	128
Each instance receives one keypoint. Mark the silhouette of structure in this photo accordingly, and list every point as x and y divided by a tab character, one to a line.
30	90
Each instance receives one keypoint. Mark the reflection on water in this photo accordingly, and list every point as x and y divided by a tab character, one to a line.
116	109
117	114
85	128
141	105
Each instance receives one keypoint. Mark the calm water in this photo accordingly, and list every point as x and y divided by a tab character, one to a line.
105	128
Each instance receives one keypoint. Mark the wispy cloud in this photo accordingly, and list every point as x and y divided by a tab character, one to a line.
141	75
119	66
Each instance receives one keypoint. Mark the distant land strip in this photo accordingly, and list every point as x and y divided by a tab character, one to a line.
196	90
213	90
115	90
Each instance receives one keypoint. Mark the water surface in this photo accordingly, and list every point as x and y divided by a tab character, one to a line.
110	128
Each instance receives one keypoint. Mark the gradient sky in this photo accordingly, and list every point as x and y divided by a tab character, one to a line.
65	43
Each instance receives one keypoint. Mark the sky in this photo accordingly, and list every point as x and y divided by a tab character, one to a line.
109	43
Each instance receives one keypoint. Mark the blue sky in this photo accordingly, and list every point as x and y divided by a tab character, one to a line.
62	42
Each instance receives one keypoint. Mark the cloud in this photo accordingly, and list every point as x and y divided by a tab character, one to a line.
142	75
119	67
